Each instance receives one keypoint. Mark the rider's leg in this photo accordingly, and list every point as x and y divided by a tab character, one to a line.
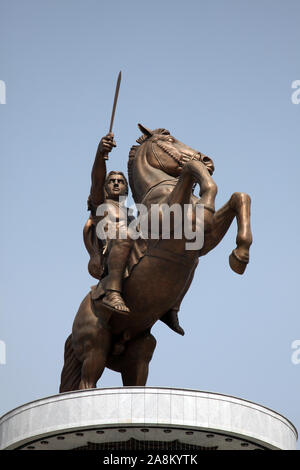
117	260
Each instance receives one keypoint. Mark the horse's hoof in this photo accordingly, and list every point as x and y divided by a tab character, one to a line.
237	265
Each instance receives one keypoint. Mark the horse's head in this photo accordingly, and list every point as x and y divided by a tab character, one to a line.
168	153
157	158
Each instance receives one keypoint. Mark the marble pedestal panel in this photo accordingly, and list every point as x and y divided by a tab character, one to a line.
188	418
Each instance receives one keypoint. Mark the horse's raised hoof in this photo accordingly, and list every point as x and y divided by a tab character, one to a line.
236	264
171	320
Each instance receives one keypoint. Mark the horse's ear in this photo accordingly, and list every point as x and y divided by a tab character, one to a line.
145	130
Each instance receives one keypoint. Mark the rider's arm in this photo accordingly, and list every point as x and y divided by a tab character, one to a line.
98	175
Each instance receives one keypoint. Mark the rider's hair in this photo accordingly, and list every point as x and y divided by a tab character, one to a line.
108	177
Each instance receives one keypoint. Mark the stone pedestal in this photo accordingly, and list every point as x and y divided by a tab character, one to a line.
148	418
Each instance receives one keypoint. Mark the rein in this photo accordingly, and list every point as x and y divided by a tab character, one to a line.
176	158
172	182
169	152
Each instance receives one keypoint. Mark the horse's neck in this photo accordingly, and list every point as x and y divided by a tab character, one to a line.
144	176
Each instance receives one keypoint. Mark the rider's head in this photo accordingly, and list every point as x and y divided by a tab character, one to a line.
116	185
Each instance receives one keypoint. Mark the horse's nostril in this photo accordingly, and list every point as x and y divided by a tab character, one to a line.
206	159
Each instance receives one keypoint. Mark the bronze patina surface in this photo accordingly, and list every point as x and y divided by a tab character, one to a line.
143	281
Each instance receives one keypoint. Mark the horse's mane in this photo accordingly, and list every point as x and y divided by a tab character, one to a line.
133	151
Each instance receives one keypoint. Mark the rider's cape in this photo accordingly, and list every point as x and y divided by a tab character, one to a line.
94	246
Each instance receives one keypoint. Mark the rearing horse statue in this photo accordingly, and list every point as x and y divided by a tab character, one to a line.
161	170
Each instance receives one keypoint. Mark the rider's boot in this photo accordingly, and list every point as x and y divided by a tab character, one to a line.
114	300
117	261
171	319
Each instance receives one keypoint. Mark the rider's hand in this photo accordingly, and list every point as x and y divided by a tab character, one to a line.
107	143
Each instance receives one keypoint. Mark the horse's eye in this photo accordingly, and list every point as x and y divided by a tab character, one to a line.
170	139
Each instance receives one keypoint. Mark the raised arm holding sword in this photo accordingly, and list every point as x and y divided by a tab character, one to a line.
109	259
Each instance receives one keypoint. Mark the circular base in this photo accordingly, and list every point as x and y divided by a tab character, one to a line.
132	418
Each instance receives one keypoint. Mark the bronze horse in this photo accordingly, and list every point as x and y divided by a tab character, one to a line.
161	170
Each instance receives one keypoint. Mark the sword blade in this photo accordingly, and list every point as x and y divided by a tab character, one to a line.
115	102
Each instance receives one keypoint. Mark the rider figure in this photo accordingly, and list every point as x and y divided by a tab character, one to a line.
112	189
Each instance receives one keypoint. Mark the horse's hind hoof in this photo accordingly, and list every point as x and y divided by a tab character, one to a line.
237	265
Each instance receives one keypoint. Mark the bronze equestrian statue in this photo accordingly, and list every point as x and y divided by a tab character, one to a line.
112	327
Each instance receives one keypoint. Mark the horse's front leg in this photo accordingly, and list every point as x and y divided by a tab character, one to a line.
196	172
238	206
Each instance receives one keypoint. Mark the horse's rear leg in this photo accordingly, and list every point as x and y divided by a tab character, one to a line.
135	364
95	355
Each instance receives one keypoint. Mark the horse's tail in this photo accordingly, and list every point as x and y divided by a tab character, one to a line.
71	372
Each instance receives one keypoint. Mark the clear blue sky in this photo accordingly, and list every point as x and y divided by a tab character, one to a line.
218	75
